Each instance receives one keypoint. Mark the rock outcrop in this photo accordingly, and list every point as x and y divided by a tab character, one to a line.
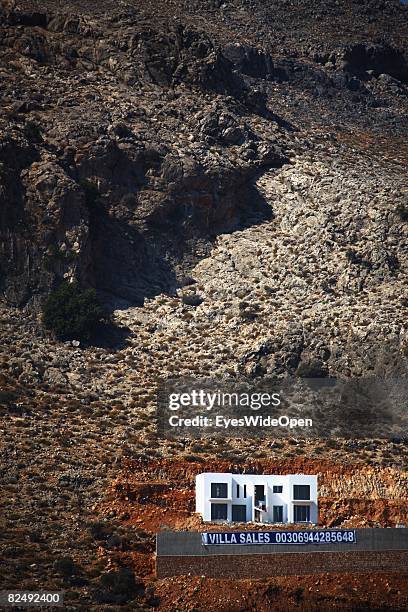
231	178
130	141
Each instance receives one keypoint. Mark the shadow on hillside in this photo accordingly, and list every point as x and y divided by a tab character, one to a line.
256	209
110	337
130	265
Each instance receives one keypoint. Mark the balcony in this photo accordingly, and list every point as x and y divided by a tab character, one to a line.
260	504
219	499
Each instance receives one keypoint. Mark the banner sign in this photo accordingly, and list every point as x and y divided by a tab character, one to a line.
279	537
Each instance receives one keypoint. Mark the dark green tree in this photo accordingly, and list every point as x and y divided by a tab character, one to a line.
72	312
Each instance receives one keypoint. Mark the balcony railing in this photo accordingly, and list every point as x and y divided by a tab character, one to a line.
260	504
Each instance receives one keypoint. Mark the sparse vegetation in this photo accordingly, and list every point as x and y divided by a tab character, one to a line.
65	566
227	145
32	131
72	312
91	192
7	397
298	595
117	587
402	210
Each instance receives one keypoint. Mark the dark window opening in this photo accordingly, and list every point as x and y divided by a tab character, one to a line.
239	513
219	512
278	514
219	489
244	490
259	494
301	491
301	514
237	490
277	488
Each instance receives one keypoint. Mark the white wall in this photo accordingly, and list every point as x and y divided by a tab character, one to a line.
312	482
205	494
285	499
200	500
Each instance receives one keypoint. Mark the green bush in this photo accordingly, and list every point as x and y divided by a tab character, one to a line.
118	587
91	193
6	397
65	566
32	131
72	312
402	210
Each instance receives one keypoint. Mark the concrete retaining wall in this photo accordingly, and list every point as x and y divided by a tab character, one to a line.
295	564
376	550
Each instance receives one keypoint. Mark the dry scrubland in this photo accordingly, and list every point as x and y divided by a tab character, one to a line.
231	178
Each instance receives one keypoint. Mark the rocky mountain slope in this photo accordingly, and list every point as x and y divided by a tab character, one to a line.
231	178
132	135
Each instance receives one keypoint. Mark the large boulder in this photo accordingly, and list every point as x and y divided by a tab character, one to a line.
381	58
251	61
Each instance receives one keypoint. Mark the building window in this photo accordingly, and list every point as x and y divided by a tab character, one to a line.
219	489
244	491
237	490
259	494
239	513
301	514
278	514
277	488
218	512
301	491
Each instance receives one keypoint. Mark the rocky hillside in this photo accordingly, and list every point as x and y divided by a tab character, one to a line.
231	179
138	142
132	134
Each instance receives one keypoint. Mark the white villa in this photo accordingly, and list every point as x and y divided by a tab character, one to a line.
258	498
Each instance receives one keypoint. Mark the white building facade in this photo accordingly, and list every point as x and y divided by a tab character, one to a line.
257	498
